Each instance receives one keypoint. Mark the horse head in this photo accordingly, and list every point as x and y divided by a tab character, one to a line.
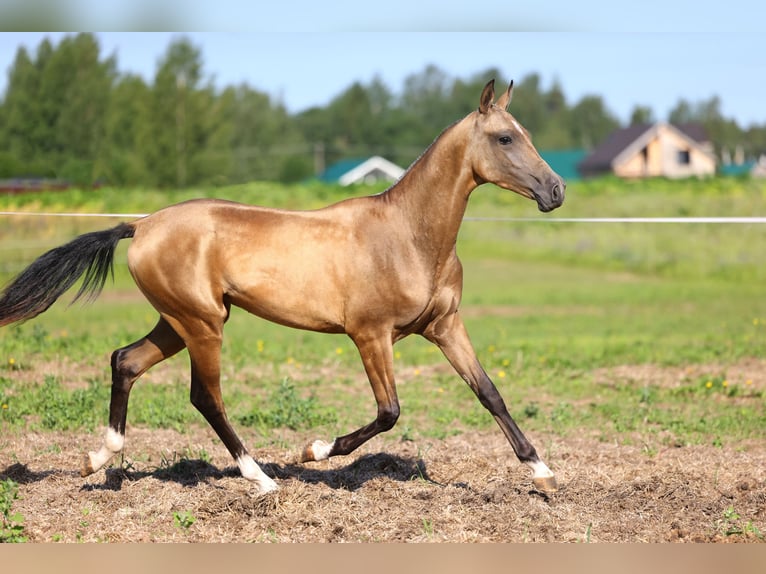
502	153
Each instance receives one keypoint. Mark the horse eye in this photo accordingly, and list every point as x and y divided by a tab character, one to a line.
505	140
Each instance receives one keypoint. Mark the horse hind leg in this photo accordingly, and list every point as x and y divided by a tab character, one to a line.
128	364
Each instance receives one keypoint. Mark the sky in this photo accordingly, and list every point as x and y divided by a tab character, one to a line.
651	53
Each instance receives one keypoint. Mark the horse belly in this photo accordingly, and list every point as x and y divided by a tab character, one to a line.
291	296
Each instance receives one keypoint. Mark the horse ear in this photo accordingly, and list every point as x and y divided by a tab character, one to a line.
505	99
487	96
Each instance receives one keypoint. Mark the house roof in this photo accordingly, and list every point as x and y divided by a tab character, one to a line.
564	162
629	140
333	173
735	169
350	171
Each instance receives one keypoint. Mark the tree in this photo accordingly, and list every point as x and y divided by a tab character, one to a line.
464	95
528	104
82	86
425	98
250	137
682	113
591	121
121	161
20	110
722	132
641	115
554	99
53	113
177	124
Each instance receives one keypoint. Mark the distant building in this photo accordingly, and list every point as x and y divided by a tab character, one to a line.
751	168
370	170
653	150
565	162
759	169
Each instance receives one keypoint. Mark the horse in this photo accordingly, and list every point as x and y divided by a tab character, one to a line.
377	268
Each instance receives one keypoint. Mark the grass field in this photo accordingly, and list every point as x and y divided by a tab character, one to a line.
547	304
647	335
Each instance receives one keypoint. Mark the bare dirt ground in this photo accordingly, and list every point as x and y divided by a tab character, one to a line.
468	488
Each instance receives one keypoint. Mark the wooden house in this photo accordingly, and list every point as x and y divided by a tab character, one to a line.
653	150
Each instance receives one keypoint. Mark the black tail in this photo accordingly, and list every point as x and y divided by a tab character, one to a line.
45	280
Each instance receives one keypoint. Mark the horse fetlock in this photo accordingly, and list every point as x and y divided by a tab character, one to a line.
316	451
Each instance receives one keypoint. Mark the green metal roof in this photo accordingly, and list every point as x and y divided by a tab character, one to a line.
334	172
737	169
564	162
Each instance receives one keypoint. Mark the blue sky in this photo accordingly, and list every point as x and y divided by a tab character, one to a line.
650	53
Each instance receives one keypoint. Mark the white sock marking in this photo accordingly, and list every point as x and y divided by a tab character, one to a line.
113	443
251	471
540	469
321	449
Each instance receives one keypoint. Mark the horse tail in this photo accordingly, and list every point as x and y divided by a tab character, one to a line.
47	278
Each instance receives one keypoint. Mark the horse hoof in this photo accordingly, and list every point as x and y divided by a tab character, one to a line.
546	484
87	466
266	486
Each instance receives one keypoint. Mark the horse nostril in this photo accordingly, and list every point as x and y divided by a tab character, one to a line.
556	193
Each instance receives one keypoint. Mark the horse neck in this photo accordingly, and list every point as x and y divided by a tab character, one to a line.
432	196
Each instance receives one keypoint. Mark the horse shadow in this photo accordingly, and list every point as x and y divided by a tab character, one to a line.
193	472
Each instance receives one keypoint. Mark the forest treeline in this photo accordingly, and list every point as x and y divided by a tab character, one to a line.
68	113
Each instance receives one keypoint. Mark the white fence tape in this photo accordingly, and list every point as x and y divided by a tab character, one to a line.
623	219
37	213
497	219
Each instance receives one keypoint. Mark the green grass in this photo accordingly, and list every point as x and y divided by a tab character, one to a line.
548	306
11	523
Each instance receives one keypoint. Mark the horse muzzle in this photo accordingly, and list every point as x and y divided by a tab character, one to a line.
552	197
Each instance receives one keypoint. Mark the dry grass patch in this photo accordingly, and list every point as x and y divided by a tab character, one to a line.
467	488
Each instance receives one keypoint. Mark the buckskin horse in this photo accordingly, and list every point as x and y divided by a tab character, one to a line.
377	268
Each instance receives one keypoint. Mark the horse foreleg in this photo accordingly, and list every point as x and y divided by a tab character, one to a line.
450	335
205	354
128	364
378	359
